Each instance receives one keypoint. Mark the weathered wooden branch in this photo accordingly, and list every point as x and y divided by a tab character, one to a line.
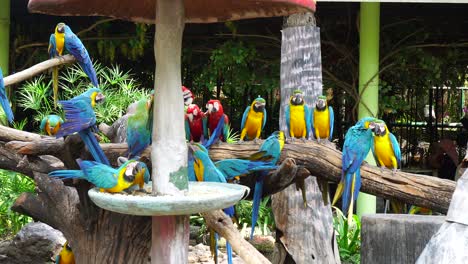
320	160
222	224
37	69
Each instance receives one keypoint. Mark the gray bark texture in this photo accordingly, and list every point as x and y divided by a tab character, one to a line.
450	244
304	235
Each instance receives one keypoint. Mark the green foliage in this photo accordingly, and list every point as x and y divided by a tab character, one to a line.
119	87
232	137
348	237
265	220
12	185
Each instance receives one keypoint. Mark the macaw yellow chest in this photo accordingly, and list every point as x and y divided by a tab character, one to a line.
384	152
297	121
253	123
60	42
66	257
120	186
322	123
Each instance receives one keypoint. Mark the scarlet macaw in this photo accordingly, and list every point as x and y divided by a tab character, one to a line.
214	113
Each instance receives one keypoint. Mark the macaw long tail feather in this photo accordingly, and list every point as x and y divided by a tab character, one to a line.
55	84
347	192
353	197
215	134
89	70
229	252
6	108
93	146
256	202
214	245
67	174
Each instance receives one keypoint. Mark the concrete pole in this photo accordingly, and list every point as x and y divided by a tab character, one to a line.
368	82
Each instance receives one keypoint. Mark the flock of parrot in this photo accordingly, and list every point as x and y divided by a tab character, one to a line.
202	130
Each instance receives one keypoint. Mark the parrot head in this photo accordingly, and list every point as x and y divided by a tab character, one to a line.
193	111
51	124
380	129
188	96
258	104
149	102
366	123
214	106
96	96
60	28
141	172
132	169
67	247
321	103
297	98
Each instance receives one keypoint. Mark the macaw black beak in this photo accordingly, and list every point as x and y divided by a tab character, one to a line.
100	98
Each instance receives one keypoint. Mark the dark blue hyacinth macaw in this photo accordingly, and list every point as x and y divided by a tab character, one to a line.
56	47
358	142
80	118
139	128
4	100
270	150
106	178
75	47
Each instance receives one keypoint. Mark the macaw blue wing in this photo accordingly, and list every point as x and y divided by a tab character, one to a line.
264	118
396	149
312	128
307	114
332	121
93	146
190	167
79	115
231	168
287	116
76	48
43	123
220	127
244	117
52	47
4	100
101	175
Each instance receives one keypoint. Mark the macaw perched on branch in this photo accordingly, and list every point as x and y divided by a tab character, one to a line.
386	148
214	113
56	47
75	47
270	150
358	142
4	100
139	128
66	255
323	120
297	116
253	120
387	153
50	124
195	123
221	171
106	178
80	117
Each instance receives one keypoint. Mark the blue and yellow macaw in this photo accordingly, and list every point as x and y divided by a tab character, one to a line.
323	119
66	255
204	169
358	142
270	150
139	128
50	124
80	117
56	47
297	116
4	100
386	149
75	47
106	178
387	153
253	120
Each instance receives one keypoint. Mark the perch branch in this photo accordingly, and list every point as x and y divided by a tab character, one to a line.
222	224
37	69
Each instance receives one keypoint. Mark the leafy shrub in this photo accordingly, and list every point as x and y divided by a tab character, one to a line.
12	185
348	237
